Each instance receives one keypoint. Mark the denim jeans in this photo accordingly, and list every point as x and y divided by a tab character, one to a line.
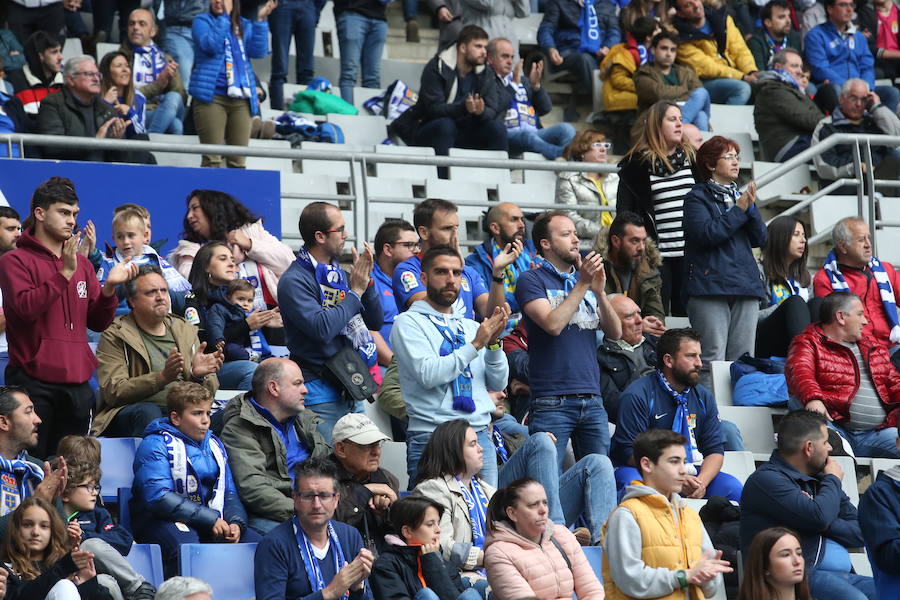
695	109
179	42
722	484
261	525
361	40
877	443
4	360
329	404
443	133
734	441
236	375
428	594
297	19
410	9
415	445
167	117
577	416
727	90
549	141
830	585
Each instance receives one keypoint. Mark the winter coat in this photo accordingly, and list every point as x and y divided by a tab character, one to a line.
60	114
518	567
124	374
762	51
39	587
47	315
154	91
634	191
719	246
576	189
495	17
221	319
617	72
879	521
831	57
31	90
438	88
819	368
781	113
98	523
723	54
395	574
646	281
618	371
560	27
651	87
11	51
354	509
837	161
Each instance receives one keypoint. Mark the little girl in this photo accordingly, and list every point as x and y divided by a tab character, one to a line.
40	565
410	566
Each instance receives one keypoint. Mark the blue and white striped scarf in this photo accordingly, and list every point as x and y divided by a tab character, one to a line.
888	301
185	478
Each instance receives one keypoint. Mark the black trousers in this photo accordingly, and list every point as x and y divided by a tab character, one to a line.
25	21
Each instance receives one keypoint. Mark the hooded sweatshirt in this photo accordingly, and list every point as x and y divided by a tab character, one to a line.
426	377
47	316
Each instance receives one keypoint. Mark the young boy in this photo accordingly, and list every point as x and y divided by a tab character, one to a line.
183	490
240	344
654	546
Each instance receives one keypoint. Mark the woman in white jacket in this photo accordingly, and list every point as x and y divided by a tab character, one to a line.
588	189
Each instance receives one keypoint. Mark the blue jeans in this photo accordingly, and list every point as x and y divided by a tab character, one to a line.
261	525
727	90
428	594
179	42
733	439
236	375
577	416
167	117
410	9
695	109
361	40
829	585
415	445
326	400
722	484
297	19
878	443
549	141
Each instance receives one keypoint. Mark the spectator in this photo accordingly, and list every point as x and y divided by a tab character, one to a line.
177	33
367	490
631	263
837	51
51	297
224	85
449	24
800	486
833	369
662	79
118	91
24	20
784	114
525	101
143	354
672	398
287	563
860	111
851	267
661	10
361	32
559	36
268	434
182	480
156	74
225	324
520	557
712	45
619	66
495	17
589	189
722	226
395	242
655	176
777	34
785	311
879	22
11	51
328	311
184	588
42	73
775	567
564	303
878	510
653	509
445	370
416	541
297	19
10	232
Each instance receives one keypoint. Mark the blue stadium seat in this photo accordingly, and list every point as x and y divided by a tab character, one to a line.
123	497
147	560
228	568
594	555
116	462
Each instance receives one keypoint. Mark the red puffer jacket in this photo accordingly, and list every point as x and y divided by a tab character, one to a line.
819	368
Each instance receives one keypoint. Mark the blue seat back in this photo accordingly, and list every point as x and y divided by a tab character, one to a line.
117	464
124	498
228	568
594	554
147	560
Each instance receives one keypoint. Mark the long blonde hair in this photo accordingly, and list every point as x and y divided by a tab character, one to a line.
650	144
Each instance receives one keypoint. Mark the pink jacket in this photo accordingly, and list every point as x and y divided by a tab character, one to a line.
519	568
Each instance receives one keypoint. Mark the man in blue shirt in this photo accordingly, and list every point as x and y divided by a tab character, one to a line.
395	241
564	304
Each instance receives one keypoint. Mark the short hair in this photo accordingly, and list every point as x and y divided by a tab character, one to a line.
670	342
79	472
492	45
8	212
429	257
504	498
423	213
581	143
841	234
315	467
80	449
831	2
125	216
710	152
665	34
41	41
642	28
410	511
313	218
186	393
652	443
766	11
239	285
55	189
8	402
781	57
835	302
132	206
389	233
541	229
796	428
179	588
470	33
268	370
848	85
72	65
150	12
622	220
145	269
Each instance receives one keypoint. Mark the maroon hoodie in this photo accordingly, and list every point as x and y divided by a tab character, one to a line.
47	316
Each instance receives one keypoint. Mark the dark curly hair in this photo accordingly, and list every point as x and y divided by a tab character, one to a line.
224	211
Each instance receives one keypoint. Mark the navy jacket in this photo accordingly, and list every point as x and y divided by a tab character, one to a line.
98	523
223	318
279	571
879	520
618	371
646	405
395	575
719	242
773	497
559	28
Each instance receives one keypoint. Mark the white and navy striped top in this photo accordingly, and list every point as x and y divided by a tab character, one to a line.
667	193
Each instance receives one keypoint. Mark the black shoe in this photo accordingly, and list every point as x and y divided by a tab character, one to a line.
144	592
570	115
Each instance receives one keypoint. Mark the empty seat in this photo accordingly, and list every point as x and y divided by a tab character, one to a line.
731	118
535	176
882	464
116	464
406	71
828	210
379	417
363	130
456	190
721	382
380	187
123	496
594	555
146	559
393	458
72	47
405	171
860	562
285	165
848	482
739	465
228	568
790	183
337	167
526	28
482	174
361	94
744	142
524	194
757	428
176	159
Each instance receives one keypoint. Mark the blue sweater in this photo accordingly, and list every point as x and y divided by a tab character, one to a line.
879	520
832	57
279	571
98	523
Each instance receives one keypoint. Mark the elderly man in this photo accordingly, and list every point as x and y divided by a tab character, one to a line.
142	354
184	588
835	369
267	434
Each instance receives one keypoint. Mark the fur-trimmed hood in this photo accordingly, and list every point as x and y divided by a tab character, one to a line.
651	252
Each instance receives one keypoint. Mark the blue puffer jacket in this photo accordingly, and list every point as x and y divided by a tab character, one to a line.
719	242
209	33
837	59
154	488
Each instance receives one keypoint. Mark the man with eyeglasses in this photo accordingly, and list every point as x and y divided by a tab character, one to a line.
395	242
367	490
310	555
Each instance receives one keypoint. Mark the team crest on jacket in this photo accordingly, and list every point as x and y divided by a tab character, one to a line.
81	287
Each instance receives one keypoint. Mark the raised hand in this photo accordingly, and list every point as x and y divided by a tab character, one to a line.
361	271
507	257
70	255
89	241
266	9
54	482
84	560
203	364
536	74
707	568
122	272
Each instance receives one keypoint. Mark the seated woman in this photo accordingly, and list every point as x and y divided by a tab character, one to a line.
588	189
117	89
528	556
775	569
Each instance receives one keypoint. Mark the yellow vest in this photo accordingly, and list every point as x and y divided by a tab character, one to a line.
665	543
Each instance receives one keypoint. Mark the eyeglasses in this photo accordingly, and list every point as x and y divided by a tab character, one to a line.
408	245
601	145
88	74
338	230
731	156
94	489
324	497
368	447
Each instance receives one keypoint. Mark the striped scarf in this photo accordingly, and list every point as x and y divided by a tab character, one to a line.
838	283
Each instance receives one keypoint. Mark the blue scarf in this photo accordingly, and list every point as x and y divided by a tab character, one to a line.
502	452
236	68
31	474
680	424
727	193
589	302
313	572
477	501
259	344
888	301
462	385
786	77
149	62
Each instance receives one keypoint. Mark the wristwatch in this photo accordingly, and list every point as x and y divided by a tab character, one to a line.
681	576
497	279
494	346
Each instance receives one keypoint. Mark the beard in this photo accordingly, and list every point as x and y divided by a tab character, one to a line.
688	378
509	239
437	296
